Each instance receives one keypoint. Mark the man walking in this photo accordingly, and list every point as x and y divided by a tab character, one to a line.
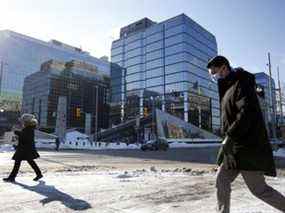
57	143
245	149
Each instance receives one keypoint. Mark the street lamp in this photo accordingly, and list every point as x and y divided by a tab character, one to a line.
152	115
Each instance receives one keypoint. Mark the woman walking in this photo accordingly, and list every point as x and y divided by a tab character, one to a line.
26	149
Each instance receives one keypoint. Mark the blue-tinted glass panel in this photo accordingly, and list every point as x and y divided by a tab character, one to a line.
117	43
174	22
134	69
117	58
133	61
154	82
134	52
154	46
116	51
177	77
133	45
134	37
154	72
174	30
174	40
154	55
176	67
154	29
154	64
134	85
179	57
153	38
133	77
176	87
174	49
158	89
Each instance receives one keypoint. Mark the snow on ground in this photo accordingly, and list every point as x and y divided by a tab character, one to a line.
117	146
77	140
6	148
123	181
137	191
94	146
190	145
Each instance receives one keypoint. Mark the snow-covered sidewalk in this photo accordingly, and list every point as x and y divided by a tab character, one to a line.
124	181
137	191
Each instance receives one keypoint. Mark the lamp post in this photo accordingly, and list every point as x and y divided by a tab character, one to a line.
152	115
96	114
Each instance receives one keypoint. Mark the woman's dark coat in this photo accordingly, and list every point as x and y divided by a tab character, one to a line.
243	122
26	149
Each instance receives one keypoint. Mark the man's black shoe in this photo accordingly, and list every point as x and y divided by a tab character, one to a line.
38	177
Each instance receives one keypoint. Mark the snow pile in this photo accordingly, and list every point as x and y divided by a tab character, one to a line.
76	136
97	145
77	140
280	153
45	143
118	146
6	148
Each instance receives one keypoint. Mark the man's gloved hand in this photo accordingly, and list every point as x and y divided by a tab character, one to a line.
229	159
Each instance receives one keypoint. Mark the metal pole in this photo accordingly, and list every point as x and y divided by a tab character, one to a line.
152	115
96	115
271	98
280	97
1	75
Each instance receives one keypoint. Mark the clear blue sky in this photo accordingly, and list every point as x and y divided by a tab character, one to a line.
245	29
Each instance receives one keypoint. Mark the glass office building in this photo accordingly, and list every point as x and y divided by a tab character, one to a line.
21	56
85	87
164	65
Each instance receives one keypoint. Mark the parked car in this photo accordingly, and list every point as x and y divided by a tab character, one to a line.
155	145
277	143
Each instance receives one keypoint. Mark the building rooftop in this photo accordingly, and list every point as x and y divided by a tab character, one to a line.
135	27
52	43
74	66
58	45
145	23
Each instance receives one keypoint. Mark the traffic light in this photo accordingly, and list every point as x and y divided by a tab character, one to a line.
145	112
77	112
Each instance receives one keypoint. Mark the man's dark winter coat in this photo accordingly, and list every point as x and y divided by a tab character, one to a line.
243	122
